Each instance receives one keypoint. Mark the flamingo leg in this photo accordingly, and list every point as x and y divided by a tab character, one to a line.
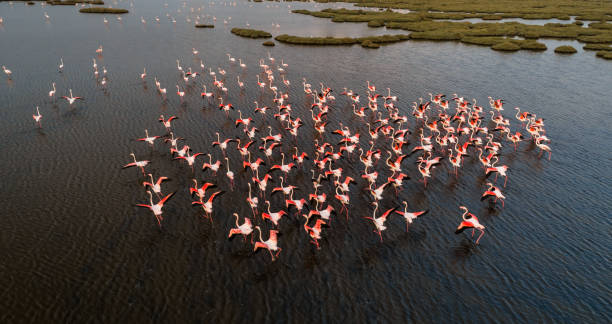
481	234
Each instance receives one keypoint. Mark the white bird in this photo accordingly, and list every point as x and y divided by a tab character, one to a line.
7	71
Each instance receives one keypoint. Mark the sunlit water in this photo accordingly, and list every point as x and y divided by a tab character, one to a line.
74	248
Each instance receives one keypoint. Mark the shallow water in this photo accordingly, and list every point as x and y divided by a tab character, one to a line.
74	248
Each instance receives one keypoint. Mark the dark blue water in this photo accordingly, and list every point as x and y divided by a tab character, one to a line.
73	247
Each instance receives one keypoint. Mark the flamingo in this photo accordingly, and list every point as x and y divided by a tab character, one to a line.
206	94
245	229
283	167
189	158
52	92
498	170
379	222
286	190
61	66
214	167
7	72
493	191
37	117
230	173
207	206
155	186
148	139
180	93
156	208
72	98
273	217
253	201
263	183
271	244
167	122
140	164
410	217
201	191
314	231
470	221
222	145
344	200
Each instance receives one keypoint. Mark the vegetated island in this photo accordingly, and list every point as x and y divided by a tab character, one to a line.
250	33
565	49
268	43
368	42
430	20
62	3
104	10
204	26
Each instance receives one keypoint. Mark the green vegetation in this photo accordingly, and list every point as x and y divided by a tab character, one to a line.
437	26
251	33
565	49
605	55
597	47
74	2
268	43
376	23
506	46
104	10
369	42
204	26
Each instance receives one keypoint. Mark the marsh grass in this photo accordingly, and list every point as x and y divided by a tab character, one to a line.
369	42
104	10
250	33
565	49
268	43
507	46
597	47
604	55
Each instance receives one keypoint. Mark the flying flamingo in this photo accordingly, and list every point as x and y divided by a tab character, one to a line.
274	217
344	200
271	244
156	208
200	191
245	229
222	145
410	217
213	166
140	164
155	186
148	139
167	122
263	183
207	206
470	221
380	221
37	117
314	231
72	98
493	191
189	158
498	170
206	94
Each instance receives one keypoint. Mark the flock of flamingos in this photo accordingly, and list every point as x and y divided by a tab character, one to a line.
447	129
